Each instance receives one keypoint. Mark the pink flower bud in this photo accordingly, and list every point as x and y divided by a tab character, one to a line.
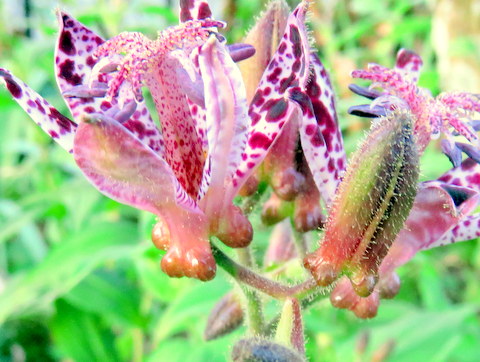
225	317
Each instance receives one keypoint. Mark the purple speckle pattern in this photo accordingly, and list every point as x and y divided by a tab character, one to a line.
59	127
226	113
320	134
74	62
270	107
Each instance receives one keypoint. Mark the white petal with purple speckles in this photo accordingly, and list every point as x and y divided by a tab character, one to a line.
74	62
270	108
59	127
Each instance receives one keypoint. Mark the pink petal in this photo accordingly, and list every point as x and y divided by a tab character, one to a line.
194	10
226	111
74	62
123	168
183	147
270	108
59	127
437	208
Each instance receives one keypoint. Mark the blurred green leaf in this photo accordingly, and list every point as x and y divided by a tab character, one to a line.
68	264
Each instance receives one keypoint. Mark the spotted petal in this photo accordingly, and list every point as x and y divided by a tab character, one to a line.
438	207
226	111
59	127
270	108
74	62
124	169
319	132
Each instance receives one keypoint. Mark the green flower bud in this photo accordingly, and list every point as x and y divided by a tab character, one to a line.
371	206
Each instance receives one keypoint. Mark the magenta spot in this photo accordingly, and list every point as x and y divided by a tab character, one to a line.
89	109
13	88
204	11
297	64
251	164
90	61
105	106
313	89
277	108
273	77
31	103
468	164
267	91
445	178
53	134
254	117
239	173
291	81
259	140
467	223
258	99
39	106
296	41
403	58
64	123
456	181
340	164
67	72
317	140
331	165
66	44
84	37
282	48
310	129
474	179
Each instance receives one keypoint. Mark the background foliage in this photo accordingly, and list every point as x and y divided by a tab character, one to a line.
79	278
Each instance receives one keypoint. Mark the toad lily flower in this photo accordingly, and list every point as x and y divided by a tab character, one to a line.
305	162
378	191
397	87
209	143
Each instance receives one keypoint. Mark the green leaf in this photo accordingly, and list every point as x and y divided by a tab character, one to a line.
80	336
110	295
66	265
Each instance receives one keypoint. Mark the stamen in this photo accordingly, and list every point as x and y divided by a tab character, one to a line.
140	54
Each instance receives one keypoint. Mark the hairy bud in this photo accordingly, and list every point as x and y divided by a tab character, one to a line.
372	204
225	317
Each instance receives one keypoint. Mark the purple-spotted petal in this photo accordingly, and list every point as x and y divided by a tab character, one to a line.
467	229
326	160
226	111
438	207
466	175
194	10
59	127
74	62
270	108
123	168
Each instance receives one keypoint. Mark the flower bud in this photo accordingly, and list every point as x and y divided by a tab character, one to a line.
265	37
308	213
389	285
281	247
275	210
256	349
225	317
234	228
371	205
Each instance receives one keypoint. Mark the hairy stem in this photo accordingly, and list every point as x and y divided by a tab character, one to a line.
246	276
